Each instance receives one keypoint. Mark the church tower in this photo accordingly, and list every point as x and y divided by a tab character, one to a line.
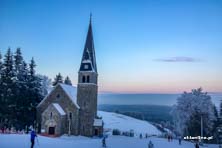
87	87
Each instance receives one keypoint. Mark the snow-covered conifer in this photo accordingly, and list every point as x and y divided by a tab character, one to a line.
58	79
67	81
191	106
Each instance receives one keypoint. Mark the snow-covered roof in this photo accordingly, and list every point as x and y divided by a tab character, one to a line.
71	92
59	108
98	122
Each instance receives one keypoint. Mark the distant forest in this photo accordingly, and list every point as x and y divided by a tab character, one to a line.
151	113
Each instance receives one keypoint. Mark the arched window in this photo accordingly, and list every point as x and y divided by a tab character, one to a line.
87	79
51	115
83	79
84	104
58	96
70	115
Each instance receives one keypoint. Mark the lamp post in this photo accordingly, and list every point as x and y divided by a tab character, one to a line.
201	128
201	132
69	127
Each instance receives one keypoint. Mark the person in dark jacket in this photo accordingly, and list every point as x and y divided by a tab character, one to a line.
180	139
104	141
33	135
196	145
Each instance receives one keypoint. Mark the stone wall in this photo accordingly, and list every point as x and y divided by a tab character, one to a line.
87	100
53	120
59	96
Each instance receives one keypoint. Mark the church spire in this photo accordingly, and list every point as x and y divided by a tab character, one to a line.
88	62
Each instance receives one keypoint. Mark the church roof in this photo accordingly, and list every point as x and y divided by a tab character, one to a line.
59	108
71	91
89	52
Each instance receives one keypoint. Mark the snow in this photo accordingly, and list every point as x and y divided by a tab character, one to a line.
23	141
59	108
126	123
71	92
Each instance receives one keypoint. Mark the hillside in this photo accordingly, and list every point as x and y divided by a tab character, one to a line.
126	123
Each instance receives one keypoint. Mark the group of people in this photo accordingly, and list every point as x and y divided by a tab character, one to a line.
170	138
141	136
5	130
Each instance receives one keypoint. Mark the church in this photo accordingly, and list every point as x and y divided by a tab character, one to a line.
73	110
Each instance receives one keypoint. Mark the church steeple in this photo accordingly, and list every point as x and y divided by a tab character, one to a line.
87	88
88	62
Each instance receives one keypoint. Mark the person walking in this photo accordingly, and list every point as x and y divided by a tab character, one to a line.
196	145
33	136
150	145
180	139
104	142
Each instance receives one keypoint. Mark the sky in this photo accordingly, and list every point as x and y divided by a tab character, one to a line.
150	46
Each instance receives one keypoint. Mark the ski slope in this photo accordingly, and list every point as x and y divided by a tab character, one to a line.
126	123
111	121
23	141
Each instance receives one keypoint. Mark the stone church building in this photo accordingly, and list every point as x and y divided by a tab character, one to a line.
73	110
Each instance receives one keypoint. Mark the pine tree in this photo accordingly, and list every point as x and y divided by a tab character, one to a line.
58	79
20	87
8	88
0	64
34	93
18	59
1	91
67	81
46	84
220	114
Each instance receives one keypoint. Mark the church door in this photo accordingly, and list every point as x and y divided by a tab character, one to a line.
96	132
51	130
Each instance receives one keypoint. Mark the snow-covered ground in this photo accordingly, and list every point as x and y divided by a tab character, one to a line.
112	121
23	141
126	123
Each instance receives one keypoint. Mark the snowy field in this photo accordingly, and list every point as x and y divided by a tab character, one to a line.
111	121
126	123
23	141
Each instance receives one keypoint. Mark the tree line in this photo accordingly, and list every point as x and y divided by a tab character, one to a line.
21	89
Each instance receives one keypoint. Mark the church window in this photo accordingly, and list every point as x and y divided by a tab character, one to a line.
51	115
70	115
84	104
58	96
87	79
83	79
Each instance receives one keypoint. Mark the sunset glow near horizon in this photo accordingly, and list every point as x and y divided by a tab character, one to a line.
141	46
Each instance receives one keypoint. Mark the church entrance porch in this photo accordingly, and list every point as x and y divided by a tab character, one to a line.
51	131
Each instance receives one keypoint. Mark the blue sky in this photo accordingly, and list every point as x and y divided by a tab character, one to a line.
141	46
